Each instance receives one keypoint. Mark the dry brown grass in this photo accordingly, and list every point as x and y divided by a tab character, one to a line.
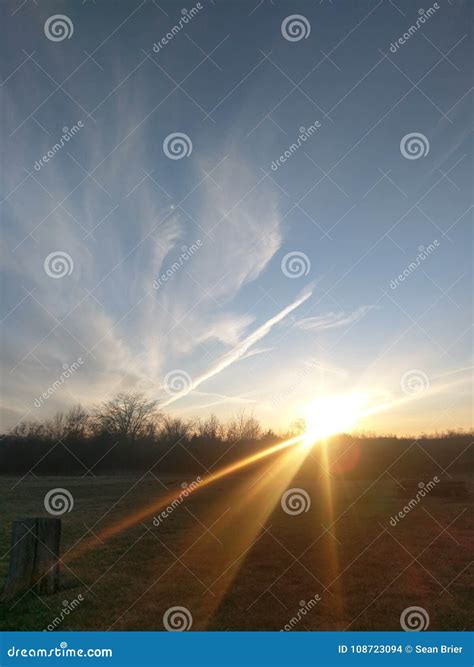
364	569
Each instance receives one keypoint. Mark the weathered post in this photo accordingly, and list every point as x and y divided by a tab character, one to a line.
34	557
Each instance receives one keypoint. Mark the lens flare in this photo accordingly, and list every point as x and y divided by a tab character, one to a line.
330	415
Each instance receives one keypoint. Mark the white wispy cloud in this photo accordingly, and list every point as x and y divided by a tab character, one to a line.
332	320
215	400
126	331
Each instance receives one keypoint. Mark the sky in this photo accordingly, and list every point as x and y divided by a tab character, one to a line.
165	247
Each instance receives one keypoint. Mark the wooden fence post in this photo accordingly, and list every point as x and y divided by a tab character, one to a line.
34	557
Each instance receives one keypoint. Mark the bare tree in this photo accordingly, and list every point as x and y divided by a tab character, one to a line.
29	429
72	424
128	415
175	429
77	422
243	427
56	427
298	427
210	428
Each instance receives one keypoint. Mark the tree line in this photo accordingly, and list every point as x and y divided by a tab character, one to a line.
126	433
129	433
131	417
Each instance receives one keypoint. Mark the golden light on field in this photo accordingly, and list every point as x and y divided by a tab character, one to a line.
325	416
329	415
162	502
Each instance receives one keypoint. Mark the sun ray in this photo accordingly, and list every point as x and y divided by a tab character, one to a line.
163	502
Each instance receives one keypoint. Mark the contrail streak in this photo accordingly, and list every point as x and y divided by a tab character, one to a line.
239	350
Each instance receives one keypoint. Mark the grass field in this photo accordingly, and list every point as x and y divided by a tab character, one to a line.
237	561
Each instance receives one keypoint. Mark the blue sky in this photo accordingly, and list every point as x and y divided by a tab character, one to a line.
287	294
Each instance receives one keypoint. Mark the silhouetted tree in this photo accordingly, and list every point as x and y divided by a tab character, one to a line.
127	415
77	423
243	427
297	427
56	427
128	433
209	429
29	430
175	429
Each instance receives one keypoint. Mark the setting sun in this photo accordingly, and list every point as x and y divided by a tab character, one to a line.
329	415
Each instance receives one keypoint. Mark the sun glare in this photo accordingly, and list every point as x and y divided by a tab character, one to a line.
330	415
